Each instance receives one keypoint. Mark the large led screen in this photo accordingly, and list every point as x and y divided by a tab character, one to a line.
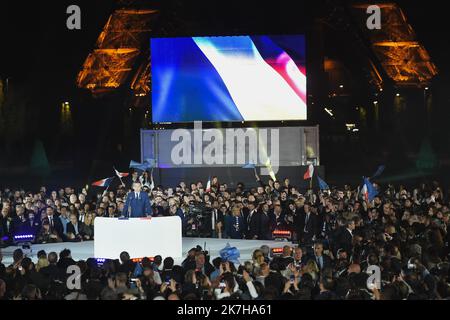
233	78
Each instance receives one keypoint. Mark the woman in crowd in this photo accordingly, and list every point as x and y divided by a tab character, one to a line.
88	227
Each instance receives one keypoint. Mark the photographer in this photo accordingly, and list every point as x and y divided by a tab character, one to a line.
200	264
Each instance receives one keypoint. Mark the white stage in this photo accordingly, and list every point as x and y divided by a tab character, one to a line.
85	250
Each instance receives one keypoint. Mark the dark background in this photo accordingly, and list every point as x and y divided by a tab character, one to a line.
40	59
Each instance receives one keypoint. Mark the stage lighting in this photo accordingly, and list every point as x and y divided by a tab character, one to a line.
281	235
100	261
19	238
274	252
24	240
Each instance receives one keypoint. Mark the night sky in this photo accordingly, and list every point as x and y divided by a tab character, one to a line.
42	57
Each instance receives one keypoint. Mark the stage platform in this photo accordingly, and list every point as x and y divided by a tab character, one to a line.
85	250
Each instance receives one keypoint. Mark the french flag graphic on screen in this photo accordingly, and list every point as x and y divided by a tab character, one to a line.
236	78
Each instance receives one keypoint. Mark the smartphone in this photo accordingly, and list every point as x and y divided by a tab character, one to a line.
222	284
133	279
168	281
292	279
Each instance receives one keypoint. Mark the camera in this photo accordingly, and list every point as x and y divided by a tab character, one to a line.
198	215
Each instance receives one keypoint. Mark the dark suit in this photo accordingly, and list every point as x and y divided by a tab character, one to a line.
207	267
51	272
276	222
344	239
139	206
307	227
234	227
70	228
217	215
32	226
56	225
253	223
19	225
323	263
265	232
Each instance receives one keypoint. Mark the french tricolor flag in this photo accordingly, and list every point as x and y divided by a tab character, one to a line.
309	173
103	183
368	191
121	174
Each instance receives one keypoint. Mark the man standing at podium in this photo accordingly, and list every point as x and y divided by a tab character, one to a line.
137	204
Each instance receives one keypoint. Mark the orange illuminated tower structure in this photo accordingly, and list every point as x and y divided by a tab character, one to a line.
403	58
121	55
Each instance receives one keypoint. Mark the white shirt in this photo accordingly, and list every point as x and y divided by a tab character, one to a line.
350	231
250	215
213	219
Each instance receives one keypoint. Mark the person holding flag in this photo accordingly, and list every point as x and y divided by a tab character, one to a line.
368	191
309	175
103	182
322	184
121	175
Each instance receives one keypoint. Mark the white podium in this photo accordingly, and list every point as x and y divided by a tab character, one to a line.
140	237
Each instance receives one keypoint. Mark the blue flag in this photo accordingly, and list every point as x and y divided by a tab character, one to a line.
230	253
379	171
322	184
150	162
368	191
249	166
138	165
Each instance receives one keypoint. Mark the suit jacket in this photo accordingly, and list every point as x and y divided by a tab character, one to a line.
137	207
51	272
71	228
307	229
326	261
219	217
277	223
234	227
253	224
32	226
344	240
207	268
265	232
57	226
18	226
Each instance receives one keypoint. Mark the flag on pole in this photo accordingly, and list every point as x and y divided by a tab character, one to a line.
208	185
379	171
322	184
138	165
103	183
150	162
269	168
249	166
368	191
309	172
121	174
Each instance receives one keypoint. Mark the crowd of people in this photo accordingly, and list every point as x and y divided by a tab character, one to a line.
336	235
